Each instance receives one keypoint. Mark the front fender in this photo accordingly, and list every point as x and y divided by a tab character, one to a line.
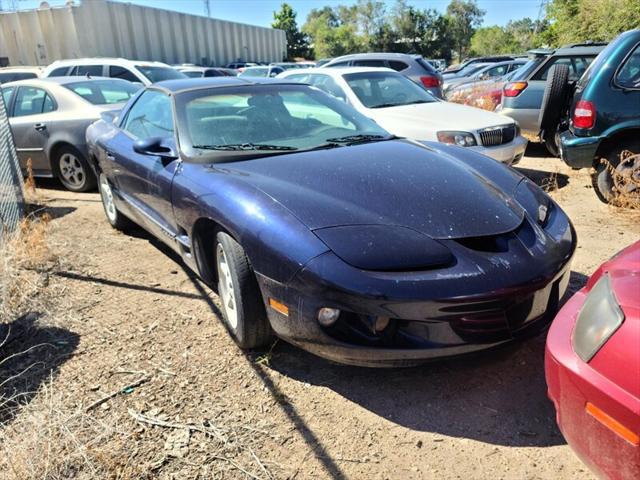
275	241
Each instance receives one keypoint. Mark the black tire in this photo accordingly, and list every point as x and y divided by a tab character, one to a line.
250	328
554	104
116	219
603	178
83	178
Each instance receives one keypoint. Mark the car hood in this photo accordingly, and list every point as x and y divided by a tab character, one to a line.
435	116
399	182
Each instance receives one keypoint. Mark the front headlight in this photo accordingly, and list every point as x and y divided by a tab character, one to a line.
462	139
598	320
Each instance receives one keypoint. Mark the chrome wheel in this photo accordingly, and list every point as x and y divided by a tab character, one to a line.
107	199
226	289
72	171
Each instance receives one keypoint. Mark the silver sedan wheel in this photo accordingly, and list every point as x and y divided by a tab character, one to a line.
107	199
226	289
72	170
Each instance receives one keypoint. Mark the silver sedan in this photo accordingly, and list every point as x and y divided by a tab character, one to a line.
49	118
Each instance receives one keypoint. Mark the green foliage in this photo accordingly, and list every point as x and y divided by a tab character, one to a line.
285	19
517	37
464	17
599	20
366	26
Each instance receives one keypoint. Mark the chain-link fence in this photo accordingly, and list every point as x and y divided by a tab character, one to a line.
11	185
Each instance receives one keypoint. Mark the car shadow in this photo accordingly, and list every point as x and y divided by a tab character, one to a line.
537	150
497	397
30	354
548	181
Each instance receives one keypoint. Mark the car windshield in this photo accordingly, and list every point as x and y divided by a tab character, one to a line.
386	89
241	121
158	74
193	73
527	69
104	92
471	69
255	72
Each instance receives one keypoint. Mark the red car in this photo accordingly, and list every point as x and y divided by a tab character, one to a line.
592	366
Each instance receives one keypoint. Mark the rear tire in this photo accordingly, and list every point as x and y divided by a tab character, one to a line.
73	170
554	105
243	309
116	219
612	171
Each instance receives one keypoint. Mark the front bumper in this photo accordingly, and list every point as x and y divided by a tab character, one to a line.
578	152
571	384
510	153
475	304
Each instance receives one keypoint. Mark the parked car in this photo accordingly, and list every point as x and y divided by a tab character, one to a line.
323	61
605	119
438	63
13	74
49	117
485	94
592	366
464	72
196	72
289	65
240	65
268	71
135	71
486	59
522	96
413	67
488	72
321	227
404	109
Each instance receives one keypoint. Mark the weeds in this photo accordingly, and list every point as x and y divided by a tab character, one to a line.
626	180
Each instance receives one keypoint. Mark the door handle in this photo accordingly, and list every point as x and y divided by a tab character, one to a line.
110	156
40	127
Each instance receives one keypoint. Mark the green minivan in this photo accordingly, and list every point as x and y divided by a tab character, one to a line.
604	128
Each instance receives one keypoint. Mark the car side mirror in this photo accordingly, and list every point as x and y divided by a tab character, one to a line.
109	116
156	147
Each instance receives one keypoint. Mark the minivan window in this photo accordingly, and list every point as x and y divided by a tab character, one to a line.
629	74
158	74
116	71
59	72
91	70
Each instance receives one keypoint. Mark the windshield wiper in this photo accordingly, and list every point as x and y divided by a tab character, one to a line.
245	147
353	139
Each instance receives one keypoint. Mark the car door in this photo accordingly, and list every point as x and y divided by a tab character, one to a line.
29	118
144	180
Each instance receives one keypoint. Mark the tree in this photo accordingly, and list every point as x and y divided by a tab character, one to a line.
464	17
492	40
285	19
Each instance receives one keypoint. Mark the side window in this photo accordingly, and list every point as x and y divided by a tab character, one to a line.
150	116
91	70
369	63
116	71
496	71
577	66
6	98
629	75
59	72
339	64
32	101
328	85
397	65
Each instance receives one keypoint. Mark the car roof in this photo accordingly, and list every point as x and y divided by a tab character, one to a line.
102	60
59	80
24	68
569	50
335	71
182	84
382	55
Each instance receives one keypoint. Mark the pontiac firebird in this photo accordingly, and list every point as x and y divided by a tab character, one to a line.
316	225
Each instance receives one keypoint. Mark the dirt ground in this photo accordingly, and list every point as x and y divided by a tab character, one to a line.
129	312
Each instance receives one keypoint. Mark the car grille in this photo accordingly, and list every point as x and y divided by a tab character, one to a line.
493	136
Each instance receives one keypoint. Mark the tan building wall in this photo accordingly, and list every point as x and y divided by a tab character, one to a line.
99	28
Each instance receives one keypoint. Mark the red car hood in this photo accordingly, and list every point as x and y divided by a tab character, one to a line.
619	358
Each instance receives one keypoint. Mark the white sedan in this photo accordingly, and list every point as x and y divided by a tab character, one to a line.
406	109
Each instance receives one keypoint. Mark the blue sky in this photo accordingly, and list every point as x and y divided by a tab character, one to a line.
260	12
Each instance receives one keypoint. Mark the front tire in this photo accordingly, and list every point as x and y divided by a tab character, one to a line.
617	175
73	170
116	219
242	306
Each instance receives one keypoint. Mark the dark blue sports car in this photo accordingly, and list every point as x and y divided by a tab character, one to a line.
316	225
